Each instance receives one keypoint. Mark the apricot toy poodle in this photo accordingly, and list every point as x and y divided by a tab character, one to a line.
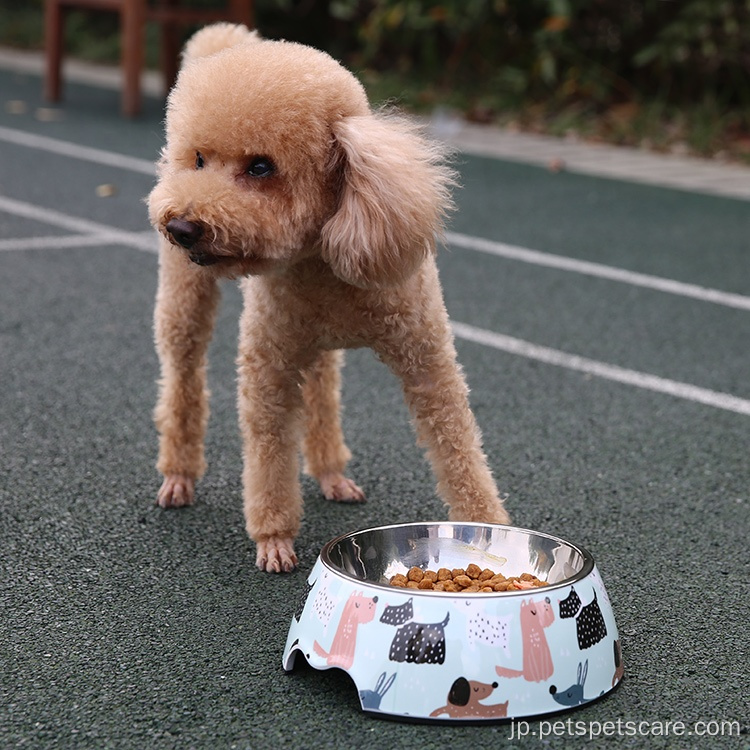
276	171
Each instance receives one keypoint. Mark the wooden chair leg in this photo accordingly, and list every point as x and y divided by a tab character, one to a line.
242	11
171	44
54	19
133	24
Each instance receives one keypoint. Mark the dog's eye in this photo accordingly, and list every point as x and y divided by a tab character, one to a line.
199	160
260	167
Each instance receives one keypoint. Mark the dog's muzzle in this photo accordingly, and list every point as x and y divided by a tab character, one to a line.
187	234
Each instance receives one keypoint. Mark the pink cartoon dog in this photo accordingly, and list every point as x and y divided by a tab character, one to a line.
358	610
537	660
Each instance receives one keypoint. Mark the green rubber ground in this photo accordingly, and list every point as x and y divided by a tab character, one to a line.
125	626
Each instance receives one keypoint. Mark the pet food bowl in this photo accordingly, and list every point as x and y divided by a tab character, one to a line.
436	656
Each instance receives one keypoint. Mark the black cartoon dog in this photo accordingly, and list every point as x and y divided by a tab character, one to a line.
590	625
415	642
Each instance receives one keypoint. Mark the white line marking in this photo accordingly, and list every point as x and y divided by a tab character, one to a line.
53	242
139	240
46	215
538	258
601	369
74	151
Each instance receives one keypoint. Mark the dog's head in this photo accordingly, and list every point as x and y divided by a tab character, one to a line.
539	612
463	691
273	155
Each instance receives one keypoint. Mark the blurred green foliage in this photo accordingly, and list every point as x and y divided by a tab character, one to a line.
600	50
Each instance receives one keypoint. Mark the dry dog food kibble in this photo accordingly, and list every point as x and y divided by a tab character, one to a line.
461	580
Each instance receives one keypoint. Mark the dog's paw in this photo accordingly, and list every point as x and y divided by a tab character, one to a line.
176	491
494	512
502	516
341	489
496	515
276	555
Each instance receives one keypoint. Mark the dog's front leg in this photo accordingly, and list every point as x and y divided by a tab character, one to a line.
183	322
437	396
270	408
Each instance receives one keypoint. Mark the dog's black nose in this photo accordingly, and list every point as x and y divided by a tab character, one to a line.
184	232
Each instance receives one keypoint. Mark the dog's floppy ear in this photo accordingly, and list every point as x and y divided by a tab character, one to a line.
460	692
395	193
216	37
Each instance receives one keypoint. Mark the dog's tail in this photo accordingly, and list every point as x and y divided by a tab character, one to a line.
319	650
443	710
505	672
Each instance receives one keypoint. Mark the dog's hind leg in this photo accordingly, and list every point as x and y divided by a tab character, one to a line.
186	305
326	454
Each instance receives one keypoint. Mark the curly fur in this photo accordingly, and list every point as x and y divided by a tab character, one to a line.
335	248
